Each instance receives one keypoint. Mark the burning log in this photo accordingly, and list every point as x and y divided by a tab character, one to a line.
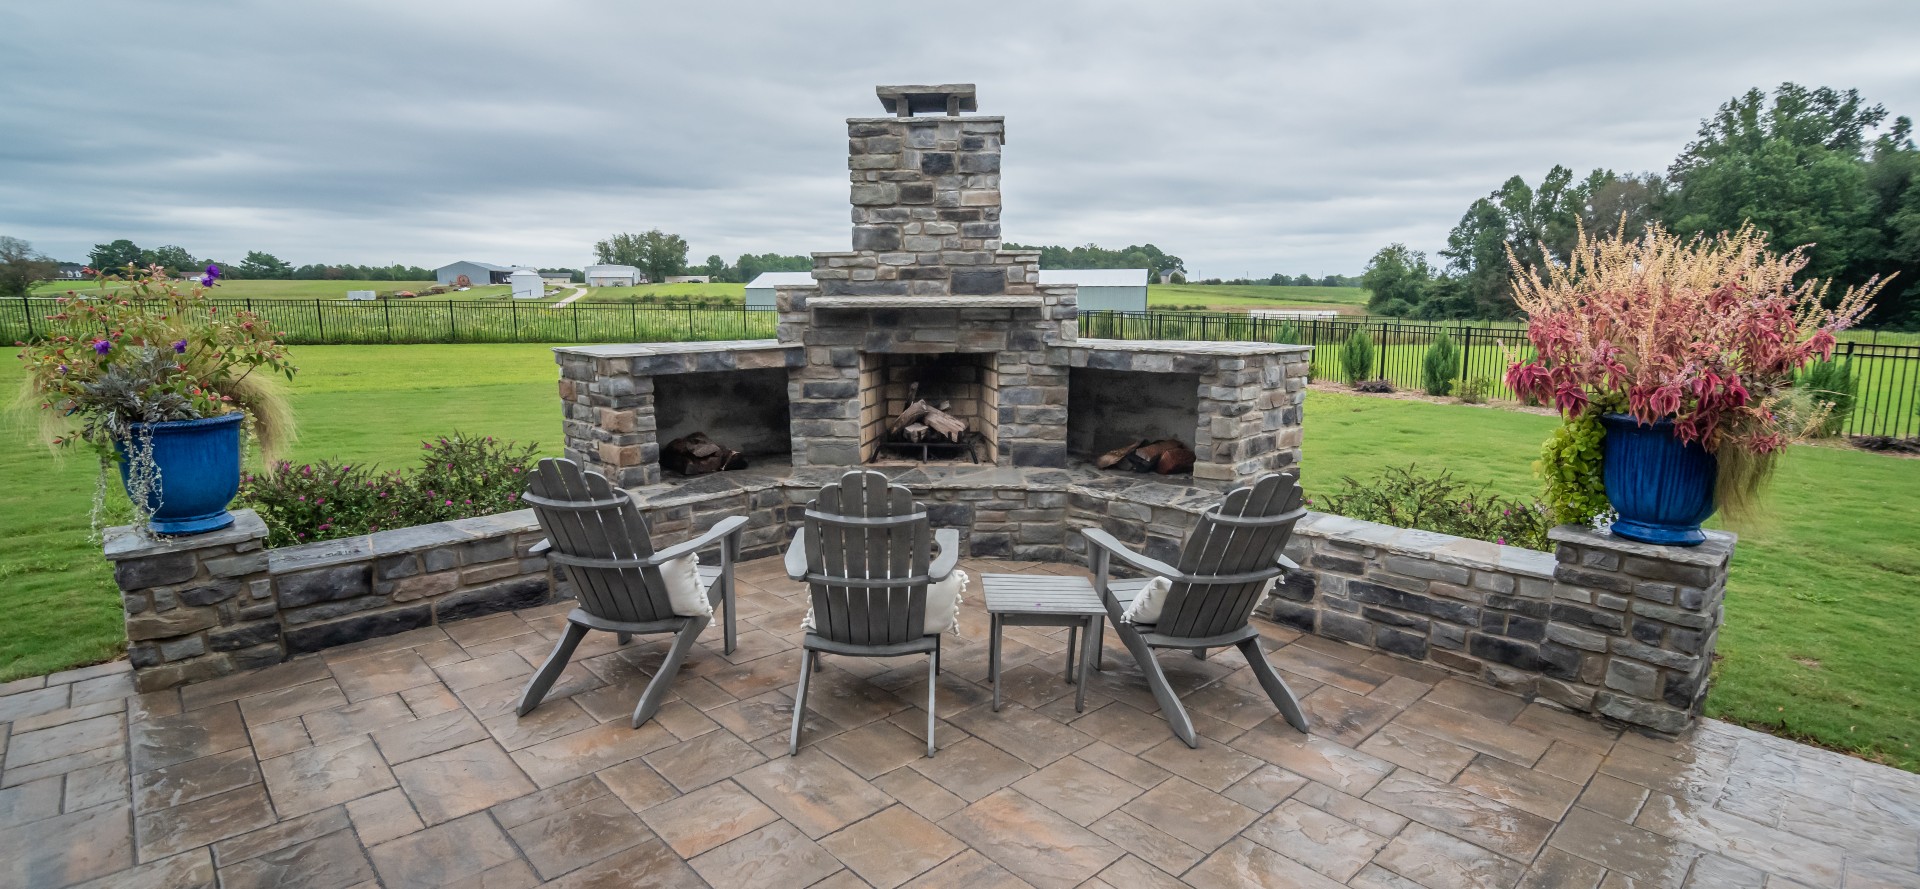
695	454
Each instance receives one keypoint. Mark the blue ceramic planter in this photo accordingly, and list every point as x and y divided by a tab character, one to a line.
1662	488
199	463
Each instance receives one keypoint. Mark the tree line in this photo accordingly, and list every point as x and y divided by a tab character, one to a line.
256	265
1807	166
1157	262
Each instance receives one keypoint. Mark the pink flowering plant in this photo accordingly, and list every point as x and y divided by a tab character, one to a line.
1706	333
146	348
457	477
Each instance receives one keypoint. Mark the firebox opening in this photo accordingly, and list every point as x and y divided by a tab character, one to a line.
963	386
1108	409
742	410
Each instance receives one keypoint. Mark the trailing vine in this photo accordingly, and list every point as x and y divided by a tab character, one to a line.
1569	464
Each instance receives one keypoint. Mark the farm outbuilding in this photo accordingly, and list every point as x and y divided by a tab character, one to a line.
479	274
527	284
557	277
760	290
1113	290
613	276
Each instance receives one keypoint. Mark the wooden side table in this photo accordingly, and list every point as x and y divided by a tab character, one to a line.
1045	600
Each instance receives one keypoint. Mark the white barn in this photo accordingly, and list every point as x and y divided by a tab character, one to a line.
613	276
1115	290
527	284
760	289
479	274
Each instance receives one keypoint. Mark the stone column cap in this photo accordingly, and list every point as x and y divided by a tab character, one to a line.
124	542
1711	554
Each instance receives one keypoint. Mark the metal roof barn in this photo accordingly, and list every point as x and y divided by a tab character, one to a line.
479	274
760	289
1116	290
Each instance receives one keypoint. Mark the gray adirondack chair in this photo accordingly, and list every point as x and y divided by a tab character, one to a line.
1225	564
865	551
598	535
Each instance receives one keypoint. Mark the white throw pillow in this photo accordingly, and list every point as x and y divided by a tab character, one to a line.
943	605
685	592
1152	600
1146	606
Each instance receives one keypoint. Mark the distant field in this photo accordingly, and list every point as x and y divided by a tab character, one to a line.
664	292
272	289
1348	300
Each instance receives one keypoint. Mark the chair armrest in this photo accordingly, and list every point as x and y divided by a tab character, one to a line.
730	526
797	555
948	540
540	549
1108	542
1286	563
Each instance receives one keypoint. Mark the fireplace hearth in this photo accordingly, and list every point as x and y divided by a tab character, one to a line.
930	307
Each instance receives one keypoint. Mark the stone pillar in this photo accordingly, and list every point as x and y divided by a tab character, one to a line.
609	426
1632	626
197	607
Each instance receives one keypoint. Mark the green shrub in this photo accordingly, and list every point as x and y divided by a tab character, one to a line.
457	478
1476	390
1829	383
1406	498
1441	365
1356	356
1570	466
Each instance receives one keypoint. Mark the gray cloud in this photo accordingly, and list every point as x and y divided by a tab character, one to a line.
1248	138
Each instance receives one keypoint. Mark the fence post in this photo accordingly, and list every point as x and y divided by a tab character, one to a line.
453	329
26	308
514	311
387	306
576	321
318	316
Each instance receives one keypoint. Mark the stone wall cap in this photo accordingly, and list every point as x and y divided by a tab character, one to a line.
1443	548
1711	554
320	554
1190	347
123	542
648	350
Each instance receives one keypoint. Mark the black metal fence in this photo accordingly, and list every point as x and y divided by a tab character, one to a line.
1886	377
375	322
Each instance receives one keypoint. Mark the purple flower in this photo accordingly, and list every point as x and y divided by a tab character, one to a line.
1500	540
102	346
179	347
62	368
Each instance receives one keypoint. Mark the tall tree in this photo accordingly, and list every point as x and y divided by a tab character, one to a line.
1397	278
21	267
114	256
174	259
657	253
716	269
260	264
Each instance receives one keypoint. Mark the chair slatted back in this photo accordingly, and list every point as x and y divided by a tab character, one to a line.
868	547
1237	541
600	537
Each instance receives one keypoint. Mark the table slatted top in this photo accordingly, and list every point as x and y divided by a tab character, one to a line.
1039	594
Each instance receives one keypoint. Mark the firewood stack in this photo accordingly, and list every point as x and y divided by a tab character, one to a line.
1167	456
921	422
695	454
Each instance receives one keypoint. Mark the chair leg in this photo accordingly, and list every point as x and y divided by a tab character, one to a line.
543	679
1099	644
1073	637
1200	653
1276	687
933	691
1090	640
669	668
993	659
1157	682
623	638
808	661
726	583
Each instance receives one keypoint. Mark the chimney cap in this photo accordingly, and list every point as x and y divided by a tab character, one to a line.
906	99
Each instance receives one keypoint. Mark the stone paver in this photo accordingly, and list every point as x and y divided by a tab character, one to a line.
400	763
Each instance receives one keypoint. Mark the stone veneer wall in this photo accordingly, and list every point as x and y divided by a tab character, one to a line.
1602	625
204	606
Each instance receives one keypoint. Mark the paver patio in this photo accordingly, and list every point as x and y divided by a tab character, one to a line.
399	762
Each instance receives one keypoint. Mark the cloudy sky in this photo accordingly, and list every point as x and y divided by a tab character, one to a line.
1246	137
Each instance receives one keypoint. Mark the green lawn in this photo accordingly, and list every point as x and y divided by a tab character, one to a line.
1818	607
1821	597
666	292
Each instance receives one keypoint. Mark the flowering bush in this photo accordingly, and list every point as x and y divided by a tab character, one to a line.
1406	498
457	478
144	350
1706	332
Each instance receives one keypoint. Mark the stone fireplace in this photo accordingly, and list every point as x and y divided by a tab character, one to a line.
930	304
